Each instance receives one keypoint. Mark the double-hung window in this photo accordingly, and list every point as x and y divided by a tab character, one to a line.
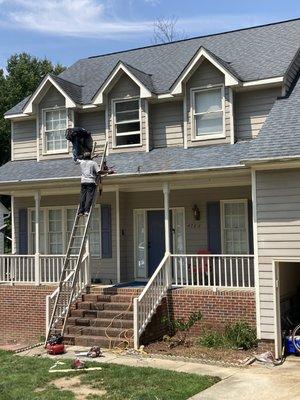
127	123
55	125
235	226
208	113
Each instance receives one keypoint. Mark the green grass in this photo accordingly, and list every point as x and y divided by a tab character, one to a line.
21	376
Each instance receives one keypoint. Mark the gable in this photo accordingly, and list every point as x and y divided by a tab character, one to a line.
124	87
205	74
52	98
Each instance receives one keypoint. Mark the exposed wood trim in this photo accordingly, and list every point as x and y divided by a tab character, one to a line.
185	121
261	82
231	110
147	133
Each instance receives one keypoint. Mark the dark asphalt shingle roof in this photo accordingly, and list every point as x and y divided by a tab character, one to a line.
253	53
280	134
158	160
72	89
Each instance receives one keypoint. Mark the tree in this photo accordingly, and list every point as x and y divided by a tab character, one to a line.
165	31
24	73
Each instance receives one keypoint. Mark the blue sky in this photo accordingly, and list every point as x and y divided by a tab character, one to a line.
66	30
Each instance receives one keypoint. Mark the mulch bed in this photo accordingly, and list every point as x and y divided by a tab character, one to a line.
196	351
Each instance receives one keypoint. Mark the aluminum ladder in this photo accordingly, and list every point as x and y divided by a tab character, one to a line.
68	286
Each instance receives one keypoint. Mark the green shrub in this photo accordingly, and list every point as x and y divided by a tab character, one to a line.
241	335
182	327
212	339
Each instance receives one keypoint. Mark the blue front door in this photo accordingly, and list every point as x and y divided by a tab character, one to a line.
156	239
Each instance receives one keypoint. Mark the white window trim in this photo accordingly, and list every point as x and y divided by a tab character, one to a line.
46	152
193	91
64	227
222	204
114	135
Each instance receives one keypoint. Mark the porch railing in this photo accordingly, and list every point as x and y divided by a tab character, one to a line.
80	285
224	271
213	271
31	269
146	304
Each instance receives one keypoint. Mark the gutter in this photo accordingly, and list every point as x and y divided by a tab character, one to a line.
134	174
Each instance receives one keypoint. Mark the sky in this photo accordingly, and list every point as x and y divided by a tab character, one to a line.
67	30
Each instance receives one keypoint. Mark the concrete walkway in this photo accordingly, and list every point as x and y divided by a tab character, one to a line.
255	382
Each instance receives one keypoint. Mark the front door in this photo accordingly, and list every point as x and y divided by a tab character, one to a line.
156	239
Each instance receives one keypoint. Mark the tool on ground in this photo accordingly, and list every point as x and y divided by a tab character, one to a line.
70	272
94	352
55	345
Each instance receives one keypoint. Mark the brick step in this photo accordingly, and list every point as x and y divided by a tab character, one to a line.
101	322
115	290
99	306
91	314
115	298
89	341
98	331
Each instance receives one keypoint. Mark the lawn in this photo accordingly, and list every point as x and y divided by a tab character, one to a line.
27	378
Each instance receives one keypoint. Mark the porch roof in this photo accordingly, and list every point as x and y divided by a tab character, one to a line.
164	160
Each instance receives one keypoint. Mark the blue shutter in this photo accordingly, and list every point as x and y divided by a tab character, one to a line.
23	231
214	227
106	241
250	230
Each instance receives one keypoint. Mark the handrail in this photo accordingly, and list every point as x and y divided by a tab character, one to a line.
145	305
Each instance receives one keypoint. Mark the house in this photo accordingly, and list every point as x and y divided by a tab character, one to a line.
204	206
3	212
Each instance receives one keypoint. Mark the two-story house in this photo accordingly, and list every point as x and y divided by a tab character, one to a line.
205	199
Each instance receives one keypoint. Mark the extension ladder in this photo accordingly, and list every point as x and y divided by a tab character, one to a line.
72	263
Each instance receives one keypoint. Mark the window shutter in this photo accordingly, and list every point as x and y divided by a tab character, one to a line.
250	229
23	231
214	227
106	242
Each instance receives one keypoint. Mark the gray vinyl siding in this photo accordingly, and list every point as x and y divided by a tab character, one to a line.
251	110
104	269
126	88
278	230
53	98
166	124
196	231
207	74
95	123
24	139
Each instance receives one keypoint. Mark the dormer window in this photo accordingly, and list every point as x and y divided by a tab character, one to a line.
127	123
55	124
208	113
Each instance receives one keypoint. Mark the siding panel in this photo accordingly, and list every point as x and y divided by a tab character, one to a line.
251	110
24	139
278	229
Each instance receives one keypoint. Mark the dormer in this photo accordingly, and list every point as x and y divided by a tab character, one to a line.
125	94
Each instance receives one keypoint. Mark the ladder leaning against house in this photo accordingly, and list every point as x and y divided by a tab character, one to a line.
66	292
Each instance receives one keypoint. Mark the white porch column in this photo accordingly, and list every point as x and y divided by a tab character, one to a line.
13	226
37	200
118	233
166	191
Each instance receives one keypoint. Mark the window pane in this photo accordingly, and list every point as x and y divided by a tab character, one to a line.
56	124
235	230
131	127
128	140
207	124
127	116
208	101
127	105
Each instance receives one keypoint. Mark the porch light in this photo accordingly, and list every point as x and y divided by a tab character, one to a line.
196	212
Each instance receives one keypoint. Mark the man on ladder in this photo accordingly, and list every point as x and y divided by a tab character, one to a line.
90	174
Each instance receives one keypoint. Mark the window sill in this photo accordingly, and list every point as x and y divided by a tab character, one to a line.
208	137
126	146
49	153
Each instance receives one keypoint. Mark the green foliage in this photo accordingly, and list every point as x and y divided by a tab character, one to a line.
182	327
27	378
23	75
212	339
241	335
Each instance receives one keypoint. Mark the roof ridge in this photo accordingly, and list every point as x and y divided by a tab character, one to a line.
193	38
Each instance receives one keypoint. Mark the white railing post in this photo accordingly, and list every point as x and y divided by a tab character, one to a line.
135	323
87	263
168	271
